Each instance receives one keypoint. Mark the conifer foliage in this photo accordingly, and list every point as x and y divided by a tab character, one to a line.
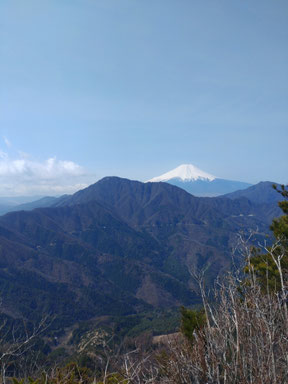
271	267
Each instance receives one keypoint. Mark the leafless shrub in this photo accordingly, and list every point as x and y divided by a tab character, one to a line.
245	339
16	351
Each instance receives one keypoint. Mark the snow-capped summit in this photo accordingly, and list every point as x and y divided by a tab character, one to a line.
199	183
185	172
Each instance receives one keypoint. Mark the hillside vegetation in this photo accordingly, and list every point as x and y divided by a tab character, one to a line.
118	259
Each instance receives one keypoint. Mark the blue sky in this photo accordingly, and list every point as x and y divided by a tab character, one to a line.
134	88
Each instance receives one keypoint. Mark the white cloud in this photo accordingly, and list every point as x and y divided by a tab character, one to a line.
25	176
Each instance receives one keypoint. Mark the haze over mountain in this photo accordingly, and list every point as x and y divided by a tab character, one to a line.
198	182
24	203
262	192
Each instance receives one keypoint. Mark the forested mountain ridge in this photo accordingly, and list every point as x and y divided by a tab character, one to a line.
118	247
260	193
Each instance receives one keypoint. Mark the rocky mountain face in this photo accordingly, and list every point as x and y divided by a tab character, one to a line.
119	247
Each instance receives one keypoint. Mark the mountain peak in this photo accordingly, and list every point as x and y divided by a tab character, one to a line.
185	172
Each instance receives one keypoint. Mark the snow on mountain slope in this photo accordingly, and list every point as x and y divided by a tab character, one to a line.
199	183
185	172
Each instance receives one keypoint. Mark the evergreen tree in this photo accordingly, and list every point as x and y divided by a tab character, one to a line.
191	321
270	267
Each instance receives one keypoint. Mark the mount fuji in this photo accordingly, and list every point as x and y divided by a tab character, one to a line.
198	182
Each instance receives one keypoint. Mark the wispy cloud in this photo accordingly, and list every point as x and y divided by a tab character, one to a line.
7	142
22	175
48	169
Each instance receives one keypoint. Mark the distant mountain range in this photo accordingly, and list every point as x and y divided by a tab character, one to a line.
186	176
8	204
28	204
119	247
198	182
260	193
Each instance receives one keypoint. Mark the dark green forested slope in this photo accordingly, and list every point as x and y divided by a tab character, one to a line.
118	247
